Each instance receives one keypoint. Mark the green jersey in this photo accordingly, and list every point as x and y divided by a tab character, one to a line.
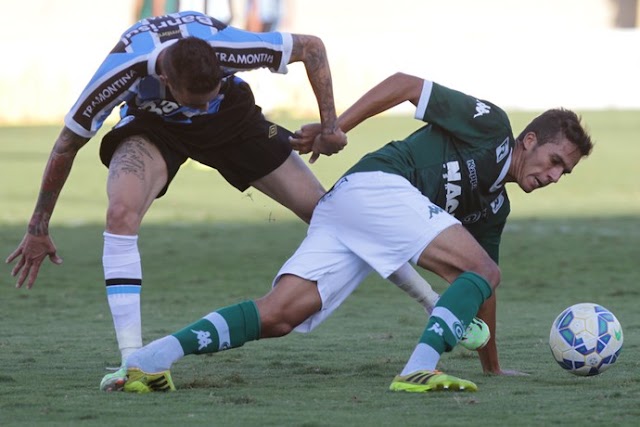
459	160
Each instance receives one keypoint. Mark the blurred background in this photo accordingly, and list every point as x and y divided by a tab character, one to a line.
522	55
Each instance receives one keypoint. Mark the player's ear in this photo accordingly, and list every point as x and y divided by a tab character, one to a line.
530	140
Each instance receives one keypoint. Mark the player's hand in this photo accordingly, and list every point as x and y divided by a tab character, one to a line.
31	252
311	138
328	144
303	139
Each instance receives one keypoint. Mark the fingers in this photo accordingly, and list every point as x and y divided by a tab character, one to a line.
33	274
28	271
13	255
54	258
300	144
314	157
20	268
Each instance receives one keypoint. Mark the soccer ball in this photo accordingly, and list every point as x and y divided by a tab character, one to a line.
586	339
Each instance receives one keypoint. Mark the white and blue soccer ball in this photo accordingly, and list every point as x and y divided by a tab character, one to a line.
586	339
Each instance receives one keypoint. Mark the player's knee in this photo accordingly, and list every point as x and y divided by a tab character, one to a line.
274	325
490	271
122	220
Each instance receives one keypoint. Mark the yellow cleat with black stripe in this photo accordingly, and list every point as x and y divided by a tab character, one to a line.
142	382
423	381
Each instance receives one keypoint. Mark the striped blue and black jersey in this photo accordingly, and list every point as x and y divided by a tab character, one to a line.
128	75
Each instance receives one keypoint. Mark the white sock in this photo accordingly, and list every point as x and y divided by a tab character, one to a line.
125	311
157	356
123	279
422	358
410	281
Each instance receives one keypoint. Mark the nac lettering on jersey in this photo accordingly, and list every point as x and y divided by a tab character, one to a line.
453	190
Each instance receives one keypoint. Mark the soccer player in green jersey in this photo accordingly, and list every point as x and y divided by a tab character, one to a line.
436	198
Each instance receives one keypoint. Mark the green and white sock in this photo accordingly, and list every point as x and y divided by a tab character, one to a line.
449	319
229	327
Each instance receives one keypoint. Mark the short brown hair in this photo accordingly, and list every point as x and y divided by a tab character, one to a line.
556	123
191	63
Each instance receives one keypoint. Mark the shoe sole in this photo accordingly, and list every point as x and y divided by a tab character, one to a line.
415	388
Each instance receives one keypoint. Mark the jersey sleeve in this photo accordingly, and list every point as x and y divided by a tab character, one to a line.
464	116
112	84
240	50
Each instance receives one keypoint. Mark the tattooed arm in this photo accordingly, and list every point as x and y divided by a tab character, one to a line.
310	50
36	244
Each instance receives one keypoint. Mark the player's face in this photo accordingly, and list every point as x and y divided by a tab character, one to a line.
547	163
196	101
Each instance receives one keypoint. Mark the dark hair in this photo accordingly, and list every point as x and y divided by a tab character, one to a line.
191	63
554	124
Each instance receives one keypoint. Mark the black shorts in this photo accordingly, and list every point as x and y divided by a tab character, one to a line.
237	141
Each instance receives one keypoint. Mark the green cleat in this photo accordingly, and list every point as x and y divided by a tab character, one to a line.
423	381
114	381
476	336
143	382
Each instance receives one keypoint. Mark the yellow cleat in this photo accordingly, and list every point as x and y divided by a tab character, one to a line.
423	381
143	382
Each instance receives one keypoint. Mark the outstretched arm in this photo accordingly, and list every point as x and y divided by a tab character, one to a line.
310	50
392	91
36	244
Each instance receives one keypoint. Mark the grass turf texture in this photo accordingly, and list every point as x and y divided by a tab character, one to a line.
205	245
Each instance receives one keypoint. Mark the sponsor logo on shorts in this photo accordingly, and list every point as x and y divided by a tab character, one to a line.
273	131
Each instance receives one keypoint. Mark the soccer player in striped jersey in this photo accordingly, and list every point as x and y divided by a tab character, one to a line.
173	78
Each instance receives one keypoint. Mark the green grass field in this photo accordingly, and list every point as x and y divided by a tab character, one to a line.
205	246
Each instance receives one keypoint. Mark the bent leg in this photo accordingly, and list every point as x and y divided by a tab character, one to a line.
456	256
289	303
137	173
293	185
292	301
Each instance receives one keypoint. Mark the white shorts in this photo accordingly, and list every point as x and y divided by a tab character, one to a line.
368	221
